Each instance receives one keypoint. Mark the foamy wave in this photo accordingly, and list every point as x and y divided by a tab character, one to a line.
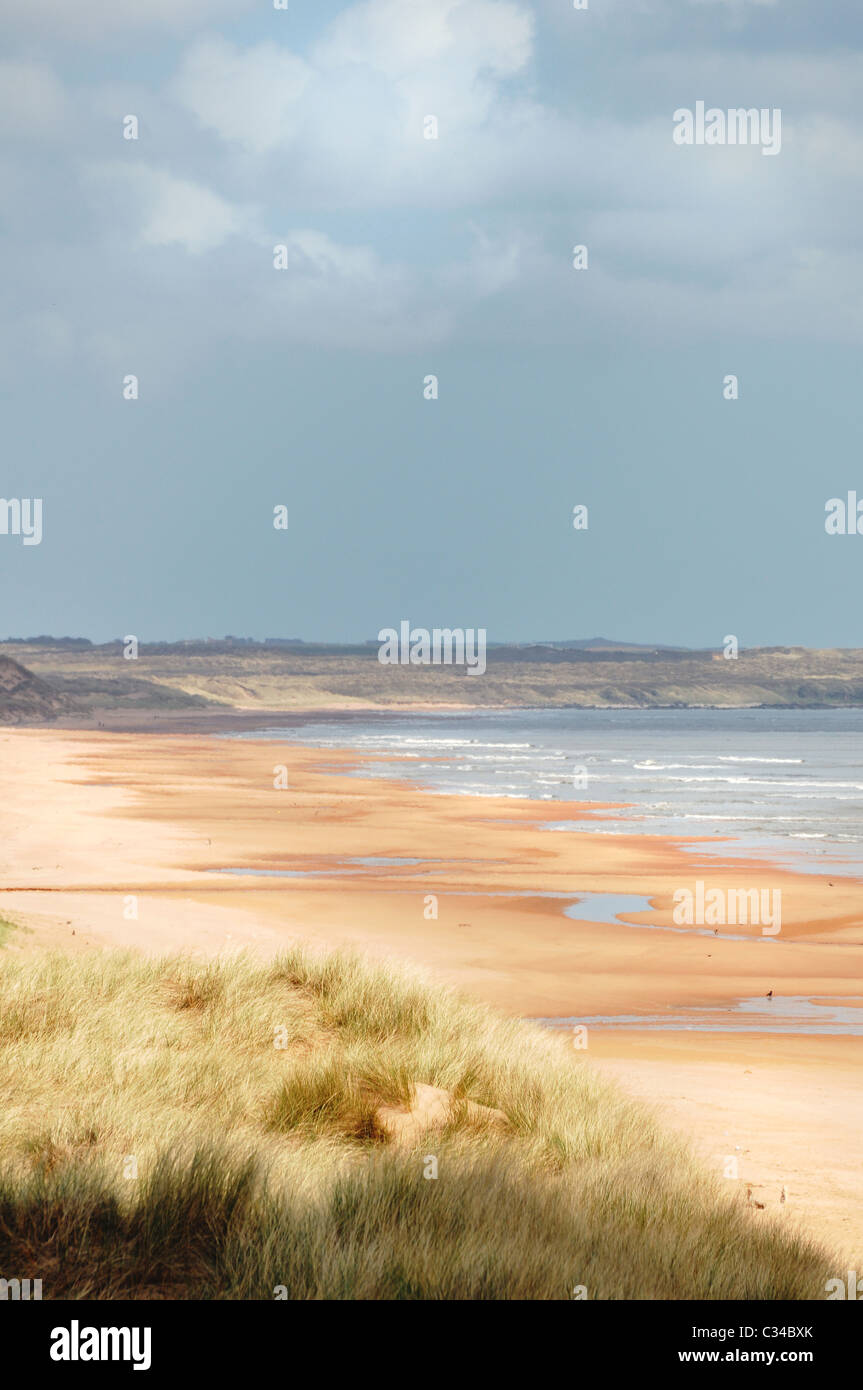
770	782
767	818
729	758
650	766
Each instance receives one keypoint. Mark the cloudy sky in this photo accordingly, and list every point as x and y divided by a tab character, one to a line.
407	257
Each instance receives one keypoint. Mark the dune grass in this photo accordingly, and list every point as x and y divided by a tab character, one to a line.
190	1129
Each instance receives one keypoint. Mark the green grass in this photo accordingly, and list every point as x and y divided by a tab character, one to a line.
156	1142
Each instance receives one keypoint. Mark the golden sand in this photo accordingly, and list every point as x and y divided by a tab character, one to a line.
111	839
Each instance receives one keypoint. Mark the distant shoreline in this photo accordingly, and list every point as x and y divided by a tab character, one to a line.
231	720
82	687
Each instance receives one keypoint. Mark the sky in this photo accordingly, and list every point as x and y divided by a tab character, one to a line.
410	257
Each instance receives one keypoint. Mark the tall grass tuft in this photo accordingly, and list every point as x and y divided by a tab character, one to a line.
185	1129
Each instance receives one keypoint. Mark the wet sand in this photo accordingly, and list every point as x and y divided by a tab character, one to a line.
90	821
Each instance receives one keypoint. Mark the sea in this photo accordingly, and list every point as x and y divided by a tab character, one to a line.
786	785
782	784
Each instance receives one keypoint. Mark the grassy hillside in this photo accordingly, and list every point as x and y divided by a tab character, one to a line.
166	679
221	1130
24	698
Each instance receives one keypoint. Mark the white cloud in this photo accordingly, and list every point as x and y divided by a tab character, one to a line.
380	68
397	242
338	295
174	211
402	38
322	257
251	96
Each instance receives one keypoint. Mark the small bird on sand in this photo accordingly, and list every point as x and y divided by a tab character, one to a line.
782	1196
769	994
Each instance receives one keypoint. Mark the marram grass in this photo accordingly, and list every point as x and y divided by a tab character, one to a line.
184	1129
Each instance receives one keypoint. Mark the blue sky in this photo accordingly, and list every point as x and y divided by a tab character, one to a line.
408	257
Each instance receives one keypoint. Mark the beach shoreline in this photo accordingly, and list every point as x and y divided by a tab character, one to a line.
117	839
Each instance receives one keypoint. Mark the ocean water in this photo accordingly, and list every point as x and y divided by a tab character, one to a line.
784	783
793	1014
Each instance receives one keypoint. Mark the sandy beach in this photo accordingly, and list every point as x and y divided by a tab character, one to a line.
118	838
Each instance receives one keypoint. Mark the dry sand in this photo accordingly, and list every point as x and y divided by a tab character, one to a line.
96	827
